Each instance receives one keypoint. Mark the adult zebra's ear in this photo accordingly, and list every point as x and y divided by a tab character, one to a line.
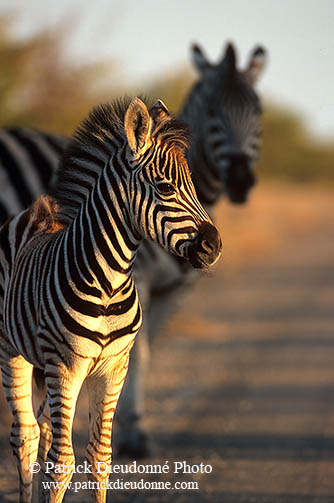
228	62
256	64
199	59
138	126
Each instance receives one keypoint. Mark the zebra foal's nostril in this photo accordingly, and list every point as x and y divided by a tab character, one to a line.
207	246
206	250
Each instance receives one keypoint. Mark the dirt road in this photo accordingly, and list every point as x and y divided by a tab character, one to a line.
243	381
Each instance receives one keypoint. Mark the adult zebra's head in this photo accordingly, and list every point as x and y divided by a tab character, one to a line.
227	133
163	201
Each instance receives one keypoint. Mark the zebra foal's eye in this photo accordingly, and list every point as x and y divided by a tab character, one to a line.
165	188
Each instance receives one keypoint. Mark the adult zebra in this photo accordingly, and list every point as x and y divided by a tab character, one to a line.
224	115
222	110
69	305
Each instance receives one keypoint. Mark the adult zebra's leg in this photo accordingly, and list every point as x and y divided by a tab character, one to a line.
132	441
103	391
63	385
24	437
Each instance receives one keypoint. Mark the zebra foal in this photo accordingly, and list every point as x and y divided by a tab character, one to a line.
68	302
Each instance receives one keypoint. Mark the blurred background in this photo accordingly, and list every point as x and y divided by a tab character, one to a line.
60	58
260	347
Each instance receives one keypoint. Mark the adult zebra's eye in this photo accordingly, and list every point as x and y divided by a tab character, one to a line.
166	189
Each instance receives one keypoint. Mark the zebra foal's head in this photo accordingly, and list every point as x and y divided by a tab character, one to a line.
230	126
163	199
126	162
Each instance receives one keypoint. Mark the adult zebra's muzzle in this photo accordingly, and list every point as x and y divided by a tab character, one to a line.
206	249
239	179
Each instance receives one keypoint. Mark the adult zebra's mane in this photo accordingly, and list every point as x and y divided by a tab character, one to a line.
95	140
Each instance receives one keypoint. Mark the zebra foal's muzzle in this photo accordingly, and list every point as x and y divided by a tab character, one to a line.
206	249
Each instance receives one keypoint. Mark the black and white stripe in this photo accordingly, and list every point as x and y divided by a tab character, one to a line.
69	304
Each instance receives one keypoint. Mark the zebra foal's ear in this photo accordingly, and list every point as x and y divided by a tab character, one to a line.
256	64
159	112
199	59
138	125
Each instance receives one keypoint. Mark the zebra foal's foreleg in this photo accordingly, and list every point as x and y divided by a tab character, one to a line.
103	391
43	418
24	437
63	385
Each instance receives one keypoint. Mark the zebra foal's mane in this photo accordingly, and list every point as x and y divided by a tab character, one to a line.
44	213
92	145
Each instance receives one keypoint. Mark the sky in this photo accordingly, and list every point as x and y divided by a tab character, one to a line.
150	37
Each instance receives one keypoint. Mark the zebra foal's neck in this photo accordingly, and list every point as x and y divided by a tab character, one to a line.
100	243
